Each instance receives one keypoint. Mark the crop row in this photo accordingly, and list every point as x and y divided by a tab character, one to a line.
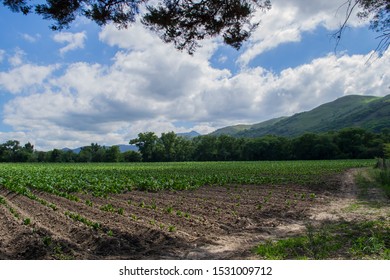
102	179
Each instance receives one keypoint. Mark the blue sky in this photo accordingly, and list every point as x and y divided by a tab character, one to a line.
90	84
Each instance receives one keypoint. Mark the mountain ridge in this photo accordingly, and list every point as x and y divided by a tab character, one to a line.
368	112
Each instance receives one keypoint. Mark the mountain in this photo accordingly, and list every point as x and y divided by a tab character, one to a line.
188	135
235	129
122	148
367	112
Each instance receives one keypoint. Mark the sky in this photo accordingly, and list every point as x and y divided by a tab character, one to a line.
90	84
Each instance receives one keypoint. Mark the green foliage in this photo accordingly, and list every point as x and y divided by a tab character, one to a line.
367	112
26	221
182	22
79	218
347	240
386	150
111	208
171	228
67	180
348	143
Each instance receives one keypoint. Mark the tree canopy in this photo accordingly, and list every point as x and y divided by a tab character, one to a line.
186	22
182	22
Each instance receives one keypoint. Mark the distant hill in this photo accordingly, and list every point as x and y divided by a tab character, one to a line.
235	129
368	112
122	148
188	135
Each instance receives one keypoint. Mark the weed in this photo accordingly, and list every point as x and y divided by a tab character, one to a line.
47	240
169	209
171	228
142	204
88	202
26	221
120	211
13	212
153	205
366	240
110	233
352	207
134	217
179	213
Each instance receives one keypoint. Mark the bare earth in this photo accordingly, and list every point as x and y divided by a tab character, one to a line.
208	223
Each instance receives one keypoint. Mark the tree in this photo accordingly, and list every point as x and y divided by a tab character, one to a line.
112	154
168	140
183	22
378	11
186	22
132	156
146	143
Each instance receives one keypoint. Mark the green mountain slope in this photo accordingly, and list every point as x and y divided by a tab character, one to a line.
368	112
236	129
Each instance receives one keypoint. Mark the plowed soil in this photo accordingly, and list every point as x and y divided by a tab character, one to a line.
207	223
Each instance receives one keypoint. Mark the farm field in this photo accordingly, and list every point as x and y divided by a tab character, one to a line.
214	210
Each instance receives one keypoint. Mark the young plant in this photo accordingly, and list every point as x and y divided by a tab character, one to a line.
26	221
171	228
169	209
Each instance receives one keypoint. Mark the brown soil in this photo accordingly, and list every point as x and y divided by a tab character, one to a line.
207	223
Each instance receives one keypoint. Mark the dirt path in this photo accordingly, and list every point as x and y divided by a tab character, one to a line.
207	223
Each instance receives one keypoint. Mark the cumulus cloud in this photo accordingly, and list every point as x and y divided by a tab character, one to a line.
288	19
17	58
25	77
73	40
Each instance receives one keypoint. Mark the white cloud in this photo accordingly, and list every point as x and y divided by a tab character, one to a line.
73	40
31	38
17	58
288	19
25	77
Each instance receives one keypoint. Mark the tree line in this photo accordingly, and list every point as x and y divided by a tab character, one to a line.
349	143
13	151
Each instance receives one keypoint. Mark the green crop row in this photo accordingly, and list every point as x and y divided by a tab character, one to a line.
101	179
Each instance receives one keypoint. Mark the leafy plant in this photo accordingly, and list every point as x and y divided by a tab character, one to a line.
26	221
171	228
169	209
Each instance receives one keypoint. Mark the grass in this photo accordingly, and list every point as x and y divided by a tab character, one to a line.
381	175
378	177
345	240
